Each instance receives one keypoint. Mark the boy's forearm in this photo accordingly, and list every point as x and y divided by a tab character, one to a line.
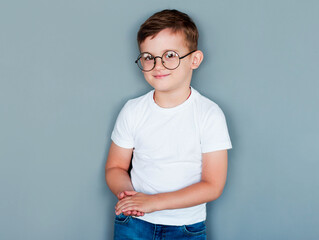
214	173
193	195
118	180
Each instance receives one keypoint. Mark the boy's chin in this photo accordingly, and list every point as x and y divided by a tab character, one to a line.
160	88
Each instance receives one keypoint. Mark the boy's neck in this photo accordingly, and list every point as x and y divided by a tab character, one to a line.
172	98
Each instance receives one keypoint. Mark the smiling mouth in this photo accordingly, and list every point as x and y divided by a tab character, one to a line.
161	76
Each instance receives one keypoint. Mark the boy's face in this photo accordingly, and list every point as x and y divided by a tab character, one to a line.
160	78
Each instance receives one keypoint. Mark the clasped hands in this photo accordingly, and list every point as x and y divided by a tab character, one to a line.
132	203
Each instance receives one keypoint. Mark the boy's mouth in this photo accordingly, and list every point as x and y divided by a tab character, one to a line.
160	76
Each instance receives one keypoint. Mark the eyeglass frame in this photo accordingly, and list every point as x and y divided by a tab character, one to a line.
161	57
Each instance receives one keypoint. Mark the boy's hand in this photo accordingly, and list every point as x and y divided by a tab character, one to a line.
135	201
121	195
124	194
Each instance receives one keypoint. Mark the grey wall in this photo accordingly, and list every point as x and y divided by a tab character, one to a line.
67	68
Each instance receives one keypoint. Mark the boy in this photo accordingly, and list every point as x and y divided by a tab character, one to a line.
177	137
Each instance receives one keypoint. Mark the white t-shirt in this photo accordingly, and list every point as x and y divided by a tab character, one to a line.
167	148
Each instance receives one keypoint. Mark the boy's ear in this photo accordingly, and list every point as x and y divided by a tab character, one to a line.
198	57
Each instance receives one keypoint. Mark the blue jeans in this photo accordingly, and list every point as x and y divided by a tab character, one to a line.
130	228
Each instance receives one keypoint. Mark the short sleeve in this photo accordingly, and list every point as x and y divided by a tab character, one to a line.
214	131
122	134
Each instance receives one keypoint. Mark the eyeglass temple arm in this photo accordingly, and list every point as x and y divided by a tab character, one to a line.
188	54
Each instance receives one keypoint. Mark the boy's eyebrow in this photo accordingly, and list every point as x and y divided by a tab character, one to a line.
175	50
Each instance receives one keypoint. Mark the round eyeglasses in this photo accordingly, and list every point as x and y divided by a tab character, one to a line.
170	60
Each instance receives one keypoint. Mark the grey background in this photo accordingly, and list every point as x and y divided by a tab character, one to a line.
67	68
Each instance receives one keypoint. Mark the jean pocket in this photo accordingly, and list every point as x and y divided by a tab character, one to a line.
195	229
122	219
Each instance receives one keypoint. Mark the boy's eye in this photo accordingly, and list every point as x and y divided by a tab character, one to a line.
170	54
147	57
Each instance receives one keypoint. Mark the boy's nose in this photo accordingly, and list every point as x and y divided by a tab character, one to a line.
158	64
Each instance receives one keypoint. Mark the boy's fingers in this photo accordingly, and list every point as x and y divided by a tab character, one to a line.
121	207
132	213
126	207
130	193
120	195
124	201
124	194
130	207
128	213
140	214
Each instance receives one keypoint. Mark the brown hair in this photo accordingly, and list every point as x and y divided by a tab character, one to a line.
172	19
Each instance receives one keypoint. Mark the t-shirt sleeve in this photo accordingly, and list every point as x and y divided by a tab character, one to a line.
122	134
214	132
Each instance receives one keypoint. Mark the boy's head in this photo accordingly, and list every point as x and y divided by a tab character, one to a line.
174	20
168	46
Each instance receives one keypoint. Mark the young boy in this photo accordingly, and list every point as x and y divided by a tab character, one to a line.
177	137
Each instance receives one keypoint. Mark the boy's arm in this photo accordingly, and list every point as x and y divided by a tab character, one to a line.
214	172
116	169
116	173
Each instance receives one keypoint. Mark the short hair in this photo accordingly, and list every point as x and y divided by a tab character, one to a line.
173	19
